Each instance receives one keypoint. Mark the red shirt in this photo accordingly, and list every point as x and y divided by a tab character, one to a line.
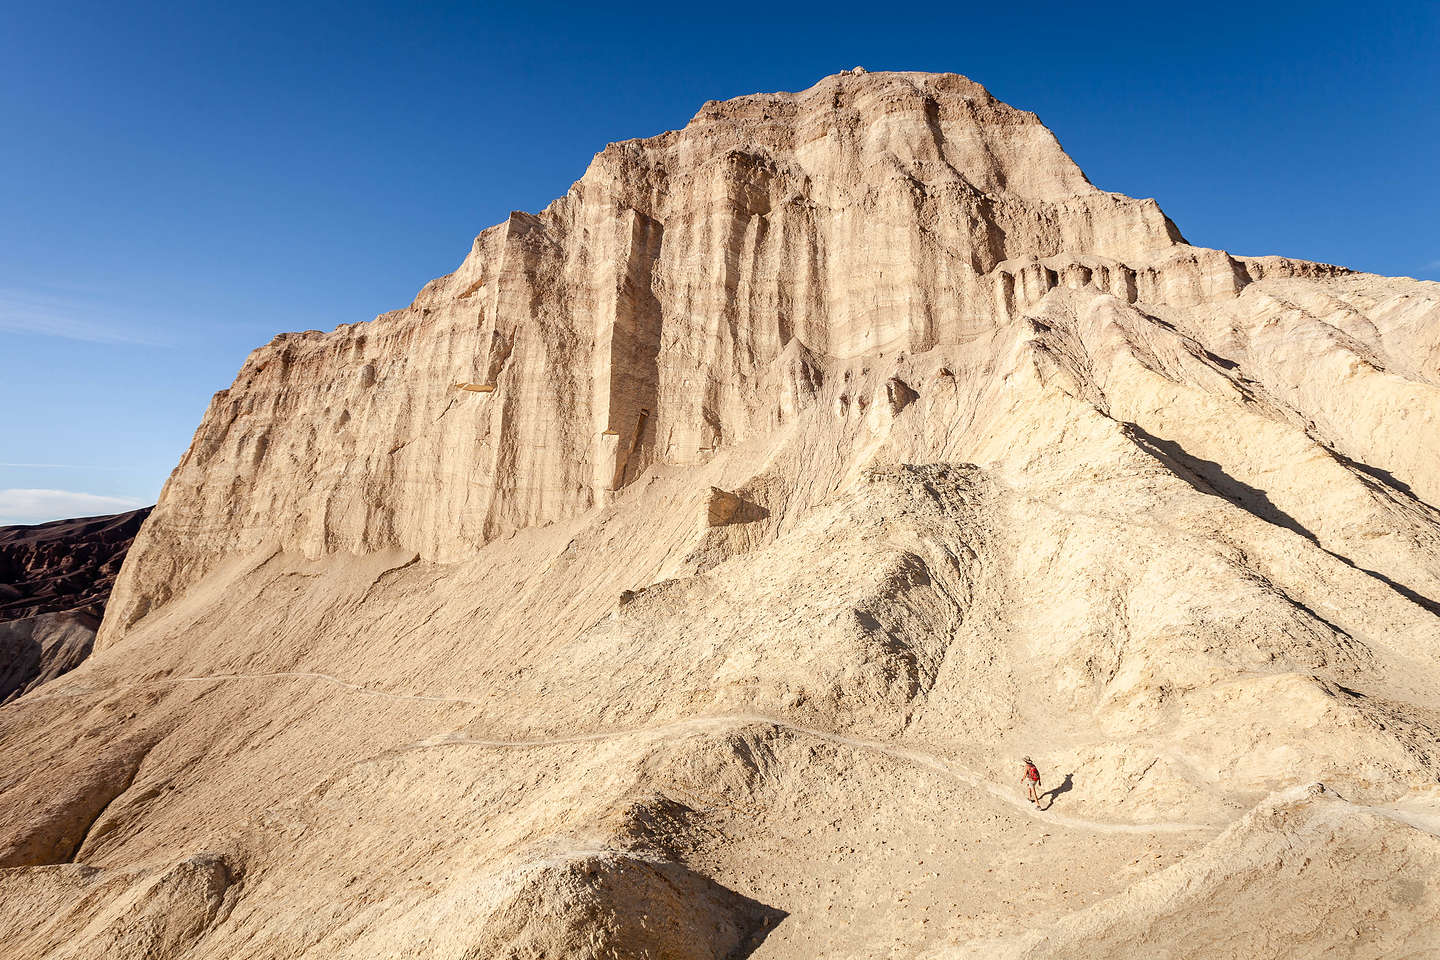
1031	773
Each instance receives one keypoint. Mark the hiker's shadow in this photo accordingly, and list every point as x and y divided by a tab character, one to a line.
1066	786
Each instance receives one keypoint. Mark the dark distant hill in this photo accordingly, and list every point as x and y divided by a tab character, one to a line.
54	580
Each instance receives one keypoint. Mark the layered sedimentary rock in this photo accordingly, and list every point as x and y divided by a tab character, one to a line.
684	294
675	300
686	573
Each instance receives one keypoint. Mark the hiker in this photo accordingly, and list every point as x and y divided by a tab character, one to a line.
1032	778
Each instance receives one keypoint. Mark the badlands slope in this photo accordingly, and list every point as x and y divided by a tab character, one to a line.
54	581
685	574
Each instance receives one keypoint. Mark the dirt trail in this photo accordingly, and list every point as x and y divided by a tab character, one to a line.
917	757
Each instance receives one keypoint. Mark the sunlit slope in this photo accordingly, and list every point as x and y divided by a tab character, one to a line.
844	447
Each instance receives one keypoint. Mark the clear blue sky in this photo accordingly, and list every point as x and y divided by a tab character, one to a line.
179	182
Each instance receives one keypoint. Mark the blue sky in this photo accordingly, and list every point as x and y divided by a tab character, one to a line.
180	182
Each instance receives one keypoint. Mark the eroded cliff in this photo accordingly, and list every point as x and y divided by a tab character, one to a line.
686	573
685	293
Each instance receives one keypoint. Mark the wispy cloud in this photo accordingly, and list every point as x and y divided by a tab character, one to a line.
1432	265
62	466
25	311
40	506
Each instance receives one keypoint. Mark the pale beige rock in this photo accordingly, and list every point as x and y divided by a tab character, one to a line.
844	447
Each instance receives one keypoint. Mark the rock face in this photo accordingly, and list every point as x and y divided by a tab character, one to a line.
54	581
685	574
687	293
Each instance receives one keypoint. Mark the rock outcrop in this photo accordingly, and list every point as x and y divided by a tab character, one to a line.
671	302
687	571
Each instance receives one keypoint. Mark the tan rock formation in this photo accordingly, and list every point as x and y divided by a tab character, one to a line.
843	447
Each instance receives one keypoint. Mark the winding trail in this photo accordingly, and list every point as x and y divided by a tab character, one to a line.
918	758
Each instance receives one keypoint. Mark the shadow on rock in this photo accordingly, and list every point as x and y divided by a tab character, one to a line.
1049	796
